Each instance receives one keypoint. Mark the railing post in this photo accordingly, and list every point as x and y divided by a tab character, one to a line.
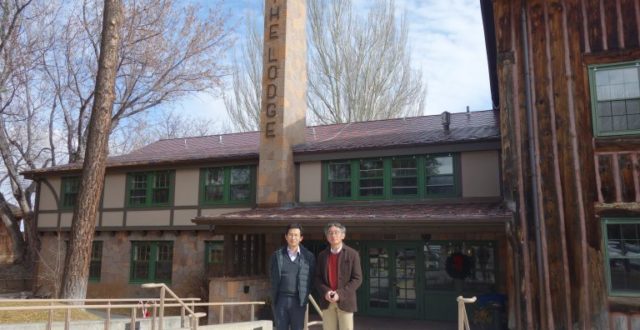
162	292
133	318
107	322
253	310
306	318
50	322
154	316
67	318
221	314
182	317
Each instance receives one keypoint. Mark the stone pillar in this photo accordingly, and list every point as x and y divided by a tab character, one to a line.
284	81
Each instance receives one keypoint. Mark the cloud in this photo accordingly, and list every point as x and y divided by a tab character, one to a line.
447	43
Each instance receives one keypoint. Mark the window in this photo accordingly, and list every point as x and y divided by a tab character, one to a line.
404	176
247	255
151	261
150	188
623	255
481	256
419	176
214	252
340	179
227	185
615	98
95	266
70	187
440	178
371	177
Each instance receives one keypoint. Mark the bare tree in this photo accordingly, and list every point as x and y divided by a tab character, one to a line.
166	52
83	223
243	102
357	70
48	65
168	124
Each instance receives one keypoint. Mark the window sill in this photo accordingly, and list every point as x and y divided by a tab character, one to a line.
617	143
624	304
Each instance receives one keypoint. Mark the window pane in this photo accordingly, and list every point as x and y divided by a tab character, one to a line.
215	252
339	177
240	192
371	177
625	274
138	191
96	260
161	196
404	179
240	175
161	180
605	124
140	262
215	176
604	109
340	171
439	165
629	231
613	231
165	262
340	189
214	193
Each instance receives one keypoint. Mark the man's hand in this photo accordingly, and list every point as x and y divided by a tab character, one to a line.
335	297
328	296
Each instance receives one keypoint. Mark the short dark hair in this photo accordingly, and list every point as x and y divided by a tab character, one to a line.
294	226
338	225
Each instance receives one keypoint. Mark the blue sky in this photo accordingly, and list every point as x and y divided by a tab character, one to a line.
447	43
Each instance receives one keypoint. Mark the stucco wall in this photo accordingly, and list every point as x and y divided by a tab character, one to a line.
310	189
149	218
186	188
114	190
48	197
480	172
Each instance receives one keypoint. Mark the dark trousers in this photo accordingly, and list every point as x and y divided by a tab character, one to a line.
289	313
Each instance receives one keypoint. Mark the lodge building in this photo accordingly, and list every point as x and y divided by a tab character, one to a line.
534	204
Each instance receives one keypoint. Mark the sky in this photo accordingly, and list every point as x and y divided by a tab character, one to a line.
447	43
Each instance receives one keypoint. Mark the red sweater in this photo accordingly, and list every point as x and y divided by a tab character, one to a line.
332	266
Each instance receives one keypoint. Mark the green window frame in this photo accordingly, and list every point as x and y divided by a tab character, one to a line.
387	178
621	238
151	261
69	188
214	252
615	98
150	189
227	185
95	265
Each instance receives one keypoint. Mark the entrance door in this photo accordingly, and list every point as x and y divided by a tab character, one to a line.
391	279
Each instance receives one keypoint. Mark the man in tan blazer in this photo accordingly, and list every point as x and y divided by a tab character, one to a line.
338	276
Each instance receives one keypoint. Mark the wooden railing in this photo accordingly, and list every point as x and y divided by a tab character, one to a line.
157	306
306	317
463	320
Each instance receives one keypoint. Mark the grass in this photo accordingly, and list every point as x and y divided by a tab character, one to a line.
36	316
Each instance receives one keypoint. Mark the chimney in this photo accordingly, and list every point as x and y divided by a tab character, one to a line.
284	83
446	120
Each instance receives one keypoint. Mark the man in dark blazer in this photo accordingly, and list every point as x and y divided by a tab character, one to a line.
338	276
291	273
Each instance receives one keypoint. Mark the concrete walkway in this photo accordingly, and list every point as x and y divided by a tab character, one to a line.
383	323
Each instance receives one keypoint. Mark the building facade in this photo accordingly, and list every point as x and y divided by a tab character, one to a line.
565	78
414	194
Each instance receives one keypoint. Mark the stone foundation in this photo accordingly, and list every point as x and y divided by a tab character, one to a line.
225	289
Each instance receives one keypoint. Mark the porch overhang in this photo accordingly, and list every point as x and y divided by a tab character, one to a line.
389	215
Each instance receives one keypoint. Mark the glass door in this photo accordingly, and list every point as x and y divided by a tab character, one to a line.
391	279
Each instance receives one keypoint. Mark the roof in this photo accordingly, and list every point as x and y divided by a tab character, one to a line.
401	132
467	213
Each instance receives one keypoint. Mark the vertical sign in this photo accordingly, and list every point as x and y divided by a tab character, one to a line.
282	118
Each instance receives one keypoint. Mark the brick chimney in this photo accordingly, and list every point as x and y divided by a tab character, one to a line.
284	92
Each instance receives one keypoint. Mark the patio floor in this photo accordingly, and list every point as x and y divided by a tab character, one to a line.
383	323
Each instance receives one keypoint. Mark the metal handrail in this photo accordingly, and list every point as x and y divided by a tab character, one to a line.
463	320
163	290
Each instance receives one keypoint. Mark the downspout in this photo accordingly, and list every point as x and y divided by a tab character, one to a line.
533	156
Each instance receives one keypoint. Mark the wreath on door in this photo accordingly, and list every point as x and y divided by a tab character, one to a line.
459	265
